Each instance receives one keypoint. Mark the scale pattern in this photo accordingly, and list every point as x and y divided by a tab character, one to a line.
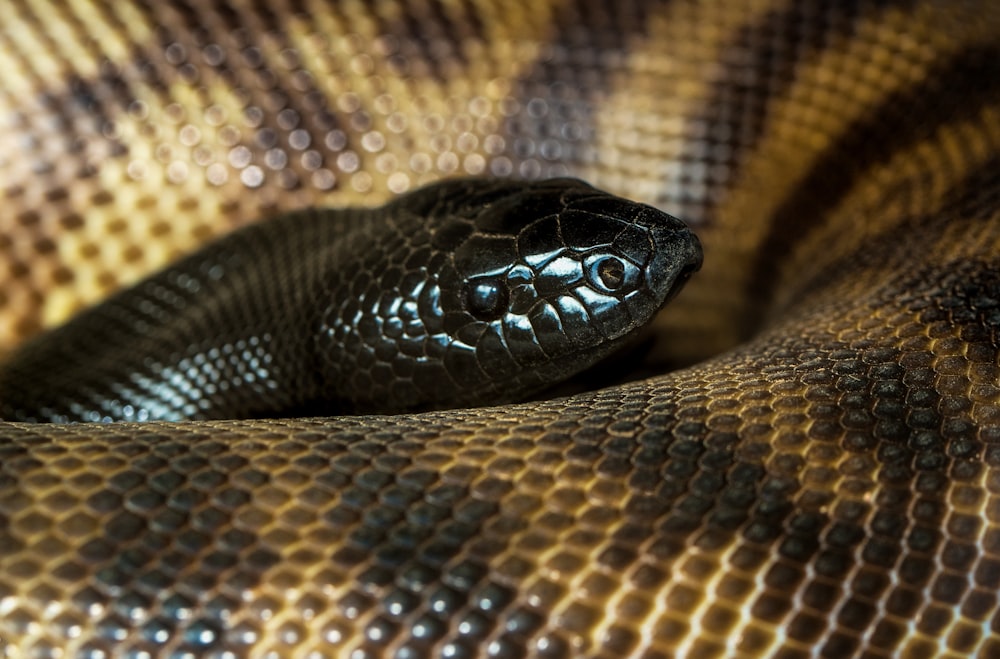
822	479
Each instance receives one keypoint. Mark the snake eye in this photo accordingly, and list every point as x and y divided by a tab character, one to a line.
610	274
486	299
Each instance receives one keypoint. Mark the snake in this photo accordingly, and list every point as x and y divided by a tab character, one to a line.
461	293
803	462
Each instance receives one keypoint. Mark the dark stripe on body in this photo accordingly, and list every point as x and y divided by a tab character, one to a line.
954	91
95	101
758	70
266	84
436	34
972	200
561	95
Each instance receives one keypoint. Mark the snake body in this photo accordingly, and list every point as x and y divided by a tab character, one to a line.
461	293
819	479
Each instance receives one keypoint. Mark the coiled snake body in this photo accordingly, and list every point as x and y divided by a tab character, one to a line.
821	479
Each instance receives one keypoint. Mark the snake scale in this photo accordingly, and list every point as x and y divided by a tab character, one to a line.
812	469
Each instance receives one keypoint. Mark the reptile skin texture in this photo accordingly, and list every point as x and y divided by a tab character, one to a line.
812	469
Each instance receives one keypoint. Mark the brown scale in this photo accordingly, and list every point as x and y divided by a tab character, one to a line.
828	487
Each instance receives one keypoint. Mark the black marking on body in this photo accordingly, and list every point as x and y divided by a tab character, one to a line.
971	201
901	121
286	97
759	67
431	38
560	95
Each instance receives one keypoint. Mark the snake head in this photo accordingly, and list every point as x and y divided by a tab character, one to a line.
520	285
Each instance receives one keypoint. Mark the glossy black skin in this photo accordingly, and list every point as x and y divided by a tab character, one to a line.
465	292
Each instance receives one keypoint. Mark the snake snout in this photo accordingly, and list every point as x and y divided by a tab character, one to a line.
677	255
686	271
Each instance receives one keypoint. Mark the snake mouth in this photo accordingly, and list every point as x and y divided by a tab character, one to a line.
682	278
